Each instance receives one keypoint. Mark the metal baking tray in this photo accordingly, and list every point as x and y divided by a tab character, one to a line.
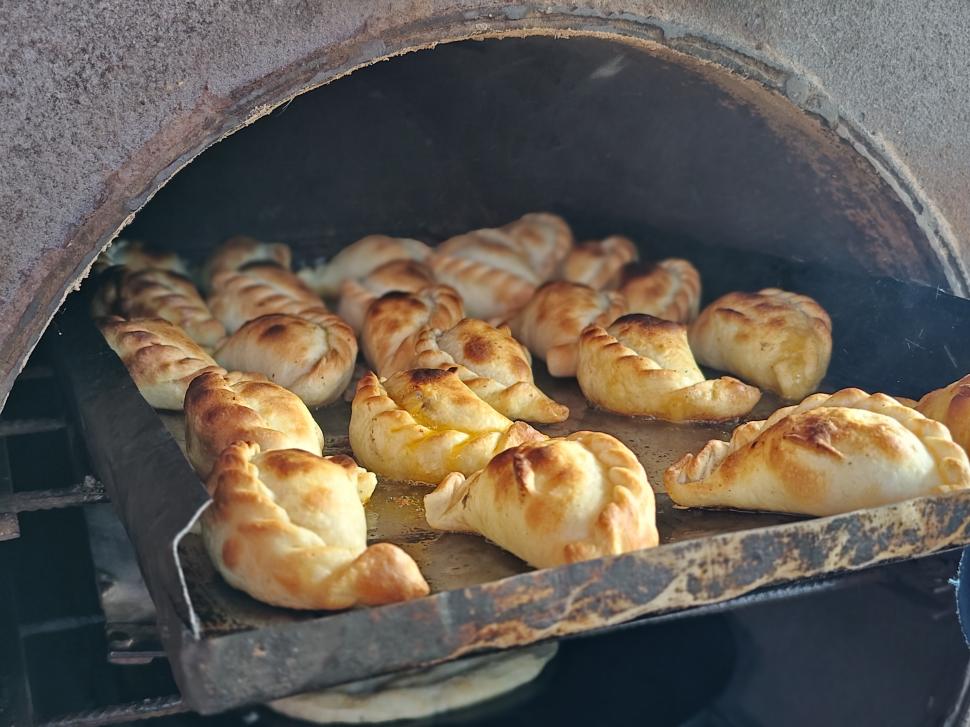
227	649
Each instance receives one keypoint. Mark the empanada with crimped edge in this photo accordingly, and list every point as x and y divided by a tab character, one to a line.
951	406
407	276
492	364
642	366
312	358
775	339
669	289
359	259
135	255
160	357
598	263
545	238
827	455
261	289
393	321
553	502
551	322
222	408
240	251
422	424
288	528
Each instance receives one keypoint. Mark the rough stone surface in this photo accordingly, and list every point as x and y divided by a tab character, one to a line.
101	102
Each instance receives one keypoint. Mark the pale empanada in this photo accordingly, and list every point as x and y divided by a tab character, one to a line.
553	502
669	289
260	289
551	322
160	357
154	293
827	455
642	366
407	276
778	340
288	528
492	364
239	251
950	405
313	359
598	263
135	255
222	408
359	259
427	423
545	238
393	321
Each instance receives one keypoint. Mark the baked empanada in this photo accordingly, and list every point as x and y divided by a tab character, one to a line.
407	276
669	289
545	238
553	502
359	259
135	255
551	322
827	455
394	320
288	528
492	364
950	405
239	251
427	423
313	359
260	289
222	408
160	357
154	293
778	340
642	366
598	263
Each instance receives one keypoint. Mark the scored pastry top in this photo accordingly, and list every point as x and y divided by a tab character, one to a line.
259	289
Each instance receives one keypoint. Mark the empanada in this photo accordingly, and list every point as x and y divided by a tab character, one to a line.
598	263
313	359
288	528
154	293
492	364
553	502
427	423
950	405
778	340
827	455
239	251
359	259
260	289
642	366
222	408
551	322
407	276
160	357
669	289
135	255
545	238
394	320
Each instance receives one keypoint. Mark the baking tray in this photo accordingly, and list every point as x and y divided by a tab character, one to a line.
227	649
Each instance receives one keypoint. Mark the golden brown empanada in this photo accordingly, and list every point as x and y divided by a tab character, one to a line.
394	320
777	340
135	255
598	263
313	359
950	405
222	408
553	502
427	423
288	528
827	455
239	251
545	238
154	293
551	322
407	276
160	357
669	289
359	259
642	366
261	289
492	364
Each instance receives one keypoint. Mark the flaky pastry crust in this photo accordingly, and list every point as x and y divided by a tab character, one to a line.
553	502
261	289
239	251
359	259
406	276
827	455
669	289
951	406
288	528
598	263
